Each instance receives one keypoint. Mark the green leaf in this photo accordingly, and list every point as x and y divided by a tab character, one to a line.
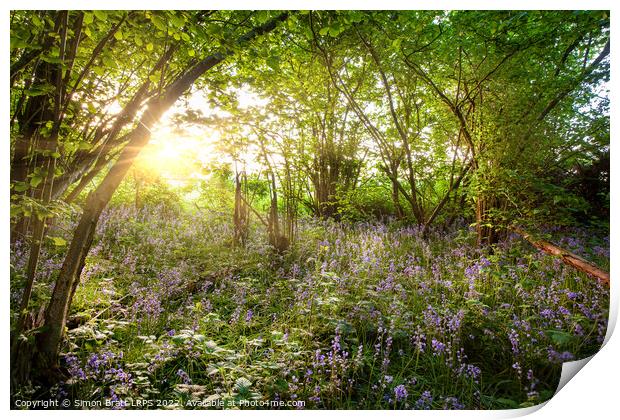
109	61
177	21
273	62
40	89
356	16
88	18
335	30
37	22
473	302
158	22
100	14
20	187
262	16
52	59
559	337
118	35
18	43
507	402
35	180
243	384
58	241
149	46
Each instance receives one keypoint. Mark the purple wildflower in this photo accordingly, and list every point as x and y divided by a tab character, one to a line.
248	315
184	376
400	392
425	401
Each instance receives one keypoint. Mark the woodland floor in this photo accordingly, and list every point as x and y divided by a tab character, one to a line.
352	316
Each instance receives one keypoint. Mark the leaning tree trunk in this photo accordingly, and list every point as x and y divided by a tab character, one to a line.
568	257
48	342
55	316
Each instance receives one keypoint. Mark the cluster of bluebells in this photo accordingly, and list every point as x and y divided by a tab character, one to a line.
105	366
184	377
425	401
400	393
452	403
150	299
406	300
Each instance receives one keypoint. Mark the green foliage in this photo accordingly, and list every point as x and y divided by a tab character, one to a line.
367	201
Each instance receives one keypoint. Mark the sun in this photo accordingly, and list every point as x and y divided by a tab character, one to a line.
169	152
178	158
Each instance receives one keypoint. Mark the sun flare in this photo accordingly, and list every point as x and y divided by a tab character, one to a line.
177	157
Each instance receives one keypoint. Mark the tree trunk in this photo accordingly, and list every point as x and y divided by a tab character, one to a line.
86	179
454	186
49	145
396	199
240	215
484	225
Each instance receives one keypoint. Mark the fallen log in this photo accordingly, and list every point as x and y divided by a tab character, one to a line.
568	257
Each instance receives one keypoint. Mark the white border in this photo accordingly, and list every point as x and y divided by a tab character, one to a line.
592	394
